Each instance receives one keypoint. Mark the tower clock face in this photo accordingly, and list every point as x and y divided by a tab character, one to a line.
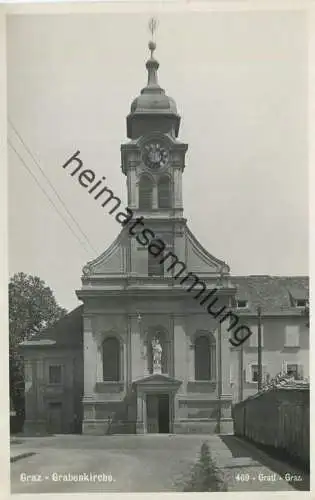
155	155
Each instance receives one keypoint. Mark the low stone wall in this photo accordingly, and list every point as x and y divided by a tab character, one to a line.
102	427
278	418
203	426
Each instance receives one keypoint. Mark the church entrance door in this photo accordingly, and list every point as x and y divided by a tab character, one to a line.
158	413
55	417
164	413
152	414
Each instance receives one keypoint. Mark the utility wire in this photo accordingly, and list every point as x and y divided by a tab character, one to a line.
52	186
46	194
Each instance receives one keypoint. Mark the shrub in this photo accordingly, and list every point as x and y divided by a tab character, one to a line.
205	474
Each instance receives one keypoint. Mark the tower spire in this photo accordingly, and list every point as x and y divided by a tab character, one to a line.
152	110
152	64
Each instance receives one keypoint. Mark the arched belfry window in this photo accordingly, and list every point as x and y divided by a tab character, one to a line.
205	362
155	266
164	192
145	192
111	359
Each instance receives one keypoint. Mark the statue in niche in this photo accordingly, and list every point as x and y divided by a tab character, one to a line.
157	354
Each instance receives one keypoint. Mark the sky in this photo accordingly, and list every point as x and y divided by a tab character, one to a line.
240	84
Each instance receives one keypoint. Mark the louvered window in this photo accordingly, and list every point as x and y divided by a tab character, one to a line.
155	267
145	193
164	192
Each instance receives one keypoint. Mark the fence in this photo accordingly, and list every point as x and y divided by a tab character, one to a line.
279	419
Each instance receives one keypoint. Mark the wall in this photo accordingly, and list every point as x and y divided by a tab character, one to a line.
278	418
274	352
39	393
195	402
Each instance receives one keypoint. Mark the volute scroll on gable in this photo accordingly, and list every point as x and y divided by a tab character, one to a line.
112	261
200	261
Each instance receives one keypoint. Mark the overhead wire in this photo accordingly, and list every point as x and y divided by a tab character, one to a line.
46	194
52	186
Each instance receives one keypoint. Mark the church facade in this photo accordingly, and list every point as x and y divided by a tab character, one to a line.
141	355
131	298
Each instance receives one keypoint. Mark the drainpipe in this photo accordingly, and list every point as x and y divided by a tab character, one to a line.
259	354
240	374
218	426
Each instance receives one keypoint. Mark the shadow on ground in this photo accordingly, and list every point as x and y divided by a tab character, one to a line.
270	458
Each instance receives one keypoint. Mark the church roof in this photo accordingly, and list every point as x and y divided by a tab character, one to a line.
67	332
153	97
272	293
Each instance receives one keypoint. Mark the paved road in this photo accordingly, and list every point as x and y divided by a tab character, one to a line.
147	463
124	463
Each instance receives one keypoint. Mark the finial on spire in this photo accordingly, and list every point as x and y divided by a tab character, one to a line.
153	26
153	23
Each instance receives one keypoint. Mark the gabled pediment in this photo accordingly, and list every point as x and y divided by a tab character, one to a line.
158	379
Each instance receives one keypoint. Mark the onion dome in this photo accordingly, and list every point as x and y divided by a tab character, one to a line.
153	110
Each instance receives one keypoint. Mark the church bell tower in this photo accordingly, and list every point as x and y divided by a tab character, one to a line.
154	159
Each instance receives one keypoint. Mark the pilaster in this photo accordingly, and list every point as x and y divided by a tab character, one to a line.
137	361
140	410
225	360
133	188
180	348
190	359
99	364
128	350
90	358
177	183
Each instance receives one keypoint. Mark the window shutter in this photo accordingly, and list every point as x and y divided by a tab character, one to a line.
248	373
264	373
292	334
253	339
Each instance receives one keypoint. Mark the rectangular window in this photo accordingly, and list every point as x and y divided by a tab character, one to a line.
252	373
241	304
293	370
292	336
55	374
300	303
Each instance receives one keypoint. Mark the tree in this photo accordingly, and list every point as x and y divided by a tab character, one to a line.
32	309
